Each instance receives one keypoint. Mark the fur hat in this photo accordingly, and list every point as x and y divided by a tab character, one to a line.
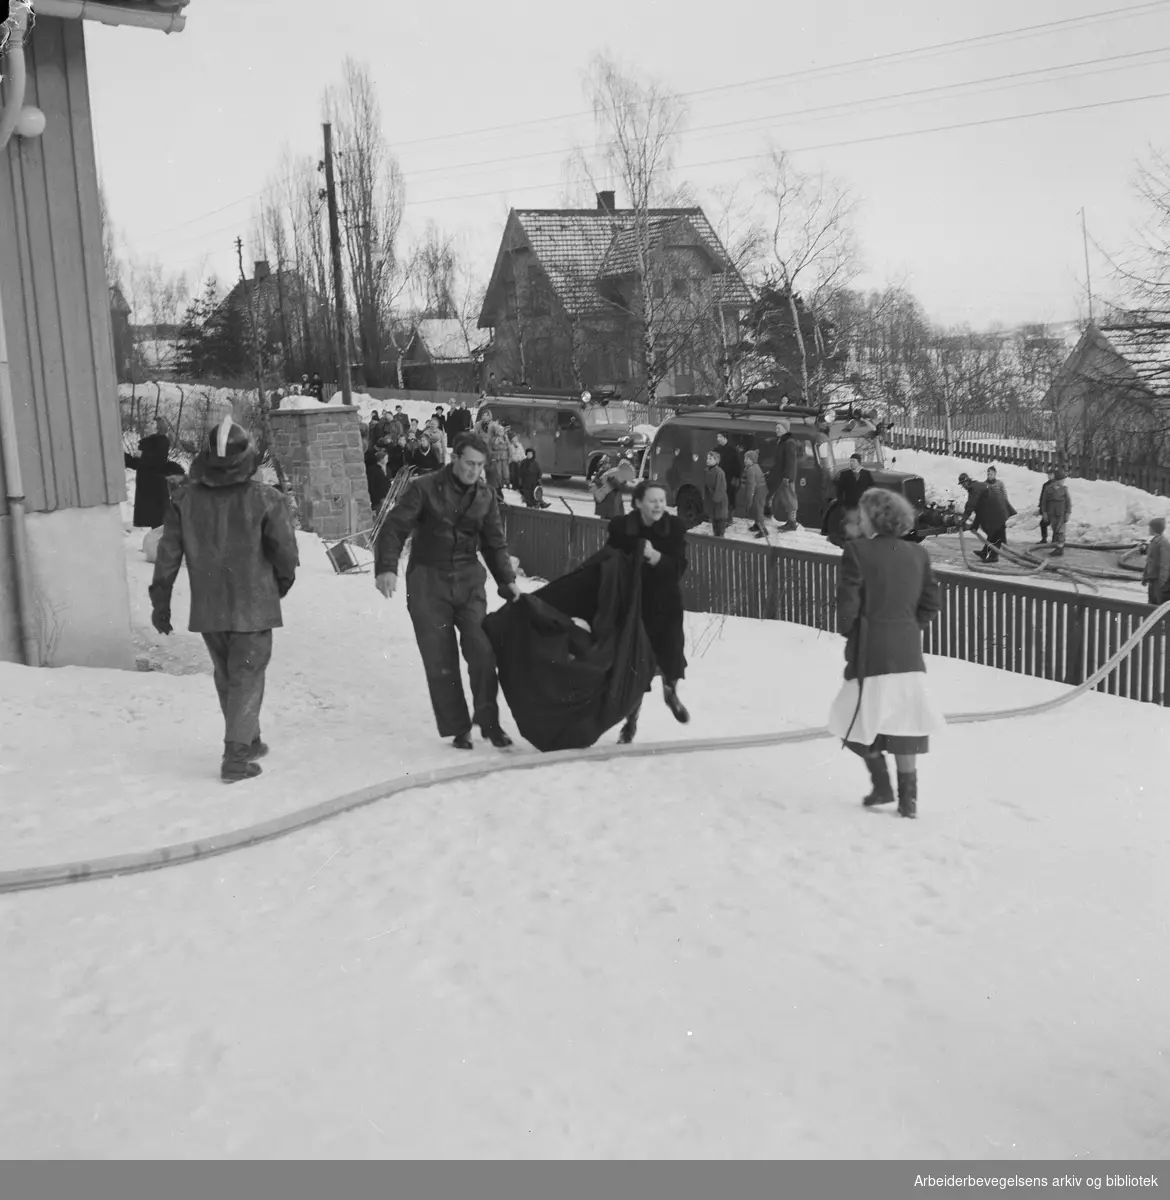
1158	525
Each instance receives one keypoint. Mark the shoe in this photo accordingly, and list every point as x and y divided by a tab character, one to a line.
236	763
908	794
759	536
257	749
629	730
677	708
789	527
879	772
1058	552
498	738
462	741
754	527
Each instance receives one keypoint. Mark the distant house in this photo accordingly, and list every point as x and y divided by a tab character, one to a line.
122	332
570	288
441	357
63	592
1112	395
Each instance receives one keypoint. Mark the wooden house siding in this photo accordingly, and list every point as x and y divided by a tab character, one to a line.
52	281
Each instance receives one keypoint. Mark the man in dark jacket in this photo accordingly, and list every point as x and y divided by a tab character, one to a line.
451	515
458	421
853	482
986	510
784	502
663	539
241	550
732	467
378	477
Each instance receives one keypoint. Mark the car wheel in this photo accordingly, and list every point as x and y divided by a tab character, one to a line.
690	507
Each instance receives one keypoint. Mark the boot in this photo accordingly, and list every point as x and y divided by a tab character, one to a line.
789	527
462	741
1058	552
677	708
879	772
908	794
257	749
497	737
629	730
236	763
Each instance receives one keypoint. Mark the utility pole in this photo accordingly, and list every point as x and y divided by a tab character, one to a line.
1088	276
258	360
338	280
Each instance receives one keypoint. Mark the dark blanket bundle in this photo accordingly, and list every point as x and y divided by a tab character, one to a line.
565	685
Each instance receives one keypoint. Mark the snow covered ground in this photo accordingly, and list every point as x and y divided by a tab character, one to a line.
717	955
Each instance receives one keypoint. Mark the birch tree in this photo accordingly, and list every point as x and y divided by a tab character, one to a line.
814	248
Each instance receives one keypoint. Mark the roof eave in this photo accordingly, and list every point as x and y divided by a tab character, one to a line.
106	13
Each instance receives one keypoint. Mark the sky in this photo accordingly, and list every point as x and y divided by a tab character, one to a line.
483	104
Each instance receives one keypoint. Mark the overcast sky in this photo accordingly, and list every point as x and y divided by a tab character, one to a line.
484	101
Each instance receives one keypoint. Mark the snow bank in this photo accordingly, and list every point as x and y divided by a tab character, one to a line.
196	399
719	955
1101	511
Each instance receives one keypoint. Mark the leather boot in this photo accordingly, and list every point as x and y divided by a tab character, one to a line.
257	749
676	706
908	794
879	773
236	763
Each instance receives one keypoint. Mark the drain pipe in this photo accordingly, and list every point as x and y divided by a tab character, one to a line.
14	484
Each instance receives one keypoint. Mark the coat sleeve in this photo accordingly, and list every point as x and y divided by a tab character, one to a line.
673	563
168	561
616	535
493	544
131	460
850	586
399	524
930	599
280	544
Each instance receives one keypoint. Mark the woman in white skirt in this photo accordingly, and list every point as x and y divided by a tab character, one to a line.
886	597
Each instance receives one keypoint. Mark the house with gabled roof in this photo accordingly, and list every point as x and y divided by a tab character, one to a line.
1112	394
443	355
63	591
577	294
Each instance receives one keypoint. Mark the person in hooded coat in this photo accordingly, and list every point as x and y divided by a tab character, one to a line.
886	597
665	552
152	467
238	540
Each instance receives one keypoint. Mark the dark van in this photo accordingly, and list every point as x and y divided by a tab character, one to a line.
571	434
825	441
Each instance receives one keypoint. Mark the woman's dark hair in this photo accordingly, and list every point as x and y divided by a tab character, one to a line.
643	486
469	441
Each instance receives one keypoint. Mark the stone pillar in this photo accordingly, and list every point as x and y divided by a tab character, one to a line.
321	452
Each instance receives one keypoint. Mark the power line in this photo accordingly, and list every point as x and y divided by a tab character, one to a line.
881	137
831	69
827	71
827	111
843	107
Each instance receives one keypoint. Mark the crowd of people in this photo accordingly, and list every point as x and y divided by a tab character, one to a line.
237	538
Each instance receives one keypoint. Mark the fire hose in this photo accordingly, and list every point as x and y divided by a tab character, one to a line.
57	874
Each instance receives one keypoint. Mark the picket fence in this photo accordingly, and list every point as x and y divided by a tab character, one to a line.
999	623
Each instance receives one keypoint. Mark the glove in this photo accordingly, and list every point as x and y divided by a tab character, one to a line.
161	620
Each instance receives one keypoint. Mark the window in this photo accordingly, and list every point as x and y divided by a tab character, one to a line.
678	286
657	290
510	298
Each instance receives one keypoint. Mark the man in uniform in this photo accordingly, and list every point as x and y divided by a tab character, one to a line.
451	515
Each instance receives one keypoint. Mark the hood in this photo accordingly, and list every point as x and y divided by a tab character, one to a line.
237	466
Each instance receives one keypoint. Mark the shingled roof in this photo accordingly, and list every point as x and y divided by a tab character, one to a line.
1146	348
578	247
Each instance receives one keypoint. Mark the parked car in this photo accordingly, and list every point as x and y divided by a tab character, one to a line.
825	441
570	433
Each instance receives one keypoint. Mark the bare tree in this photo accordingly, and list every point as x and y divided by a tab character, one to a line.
638	126
371	202
433	269
814	249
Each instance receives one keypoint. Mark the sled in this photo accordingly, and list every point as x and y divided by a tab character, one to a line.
341	556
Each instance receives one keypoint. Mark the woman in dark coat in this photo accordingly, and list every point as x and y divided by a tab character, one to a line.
665	552
886	597
151	464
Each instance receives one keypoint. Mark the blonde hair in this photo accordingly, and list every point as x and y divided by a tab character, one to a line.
890	515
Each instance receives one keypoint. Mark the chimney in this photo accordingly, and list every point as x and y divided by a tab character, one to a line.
260	271
605	202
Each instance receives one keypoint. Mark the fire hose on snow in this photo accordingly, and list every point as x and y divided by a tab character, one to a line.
55	875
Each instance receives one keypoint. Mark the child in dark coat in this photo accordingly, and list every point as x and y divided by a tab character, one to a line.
528	476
